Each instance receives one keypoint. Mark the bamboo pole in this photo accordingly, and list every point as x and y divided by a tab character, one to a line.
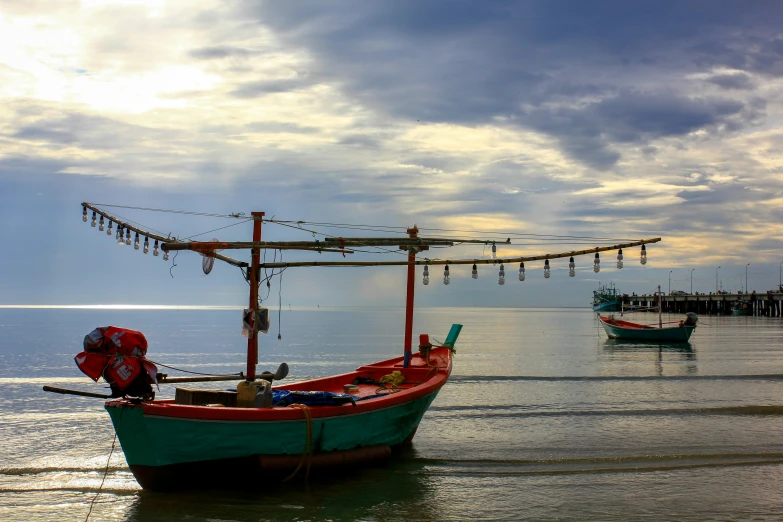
65	391
207	246
461	261
163	239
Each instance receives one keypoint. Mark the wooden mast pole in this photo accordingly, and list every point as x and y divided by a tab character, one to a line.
413	233
255	261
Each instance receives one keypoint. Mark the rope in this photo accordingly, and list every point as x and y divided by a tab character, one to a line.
195	373
105	471
238	215
307	453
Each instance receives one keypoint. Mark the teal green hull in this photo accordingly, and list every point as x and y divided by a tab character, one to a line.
149	440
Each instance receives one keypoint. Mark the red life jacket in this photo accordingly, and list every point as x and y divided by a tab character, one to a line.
116	354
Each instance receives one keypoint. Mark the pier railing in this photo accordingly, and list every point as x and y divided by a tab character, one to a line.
766	303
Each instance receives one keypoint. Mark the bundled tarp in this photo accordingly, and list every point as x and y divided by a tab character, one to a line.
311	398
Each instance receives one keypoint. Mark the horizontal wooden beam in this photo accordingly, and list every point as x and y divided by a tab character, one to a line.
431	262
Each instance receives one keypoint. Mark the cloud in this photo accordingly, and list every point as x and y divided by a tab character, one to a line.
554	117
221	51
738	80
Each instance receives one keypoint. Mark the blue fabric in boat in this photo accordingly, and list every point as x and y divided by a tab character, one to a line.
311	398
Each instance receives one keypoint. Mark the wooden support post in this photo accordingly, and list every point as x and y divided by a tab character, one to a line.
411	285
255	261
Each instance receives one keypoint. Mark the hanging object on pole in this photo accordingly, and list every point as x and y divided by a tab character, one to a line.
546	269
522	271
208	258
501	275
643	258
571	267
597	263
620	258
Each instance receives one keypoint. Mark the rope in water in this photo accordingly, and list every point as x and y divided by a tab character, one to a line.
105	471
307	453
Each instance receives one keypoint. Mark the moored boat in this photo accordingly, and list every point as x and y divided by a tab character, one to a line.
260	430
627	330
680	332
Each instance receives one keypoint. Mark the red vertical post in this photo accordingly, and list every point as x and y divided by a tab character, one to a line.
255	261
413	233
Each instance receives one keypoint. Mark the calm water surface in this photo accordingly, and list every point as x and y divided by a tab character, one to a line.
544	419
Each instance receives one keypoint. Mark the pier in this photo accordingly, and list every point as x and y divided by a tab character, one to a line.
763	304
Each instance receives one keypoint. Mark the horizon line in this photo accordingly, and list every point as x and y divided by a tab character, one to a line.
233	307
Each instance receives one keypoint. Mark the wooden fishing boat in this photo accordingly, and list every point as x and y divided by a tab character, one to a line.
264	431
626	330
678	333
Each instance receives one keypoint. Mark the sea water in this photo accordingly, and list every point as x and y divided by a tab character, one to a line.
544	418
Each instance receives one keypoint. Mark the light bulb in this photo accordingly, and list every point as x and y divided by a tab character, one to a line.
643	259
620	258
521	271
119	237
127	237
597	263
501	275
102	226
446	279
84	215
494	251
146	245
156	249
546	269
136	242
474	272
571	267
94	219
109	230
165	255
426	274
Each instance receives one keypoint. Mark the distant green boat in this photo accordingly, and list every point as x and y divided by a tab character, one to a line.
606	299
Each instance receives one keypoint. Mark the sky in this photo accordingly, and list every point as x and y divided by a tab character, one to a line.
489	119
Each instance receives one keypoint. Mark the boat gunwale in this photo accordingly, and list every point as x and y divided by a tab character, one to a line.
168	409
640	327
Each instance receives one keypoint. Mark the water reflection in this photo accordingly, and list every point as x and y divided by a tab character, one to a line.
626	351
623	345
380	493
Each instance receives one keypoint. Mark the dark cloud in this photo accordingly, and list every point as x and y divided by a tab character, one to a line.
361	141
536	63
739	81
92	132
221	51
277	127
262	87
